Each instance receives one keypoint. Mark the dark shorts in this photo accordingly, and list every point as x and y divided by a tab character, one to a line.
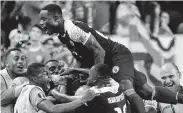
121	62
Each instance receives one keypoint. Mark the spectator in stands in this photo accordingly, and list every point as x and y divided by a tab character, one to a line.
20	33
36	53
170	78
79	11
15	66
164	22
125	13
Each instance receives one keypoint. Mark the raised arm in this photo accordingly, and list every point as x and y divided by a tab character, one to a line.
70	70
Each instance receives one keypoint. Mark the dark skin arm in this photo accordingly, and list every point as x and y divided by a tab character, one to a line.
63	97
69	70
99	52
49	107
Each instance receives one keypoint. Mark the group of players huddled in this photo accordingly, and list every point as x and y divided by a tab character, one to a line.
103	83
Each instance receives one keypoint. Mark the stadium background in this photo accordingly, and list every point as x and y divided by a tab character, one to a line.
101	15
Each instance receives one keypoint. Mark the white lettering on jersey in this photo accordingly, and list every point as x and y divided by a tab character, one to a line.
118	110
116	99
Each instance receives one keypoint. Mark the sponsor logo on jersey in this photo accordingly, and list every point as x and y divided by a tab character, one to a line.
115	69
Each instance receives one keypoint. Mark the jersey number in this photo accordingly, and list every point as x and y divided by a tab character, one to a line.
118	110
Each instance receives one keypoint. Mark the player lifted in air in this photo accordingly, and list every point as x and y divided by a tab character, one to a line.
92	47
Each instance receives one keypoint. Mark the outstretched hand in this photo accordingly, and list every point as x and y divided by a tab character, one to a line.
66	71
59	80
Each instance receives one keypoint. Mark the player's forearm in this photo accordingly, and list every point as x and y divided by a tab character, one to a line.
99	55
136	103
63	97
7	96
66	107
81	70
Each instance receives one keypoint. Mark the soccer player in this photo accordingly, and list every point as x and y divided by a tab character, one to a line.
111	99
91	47
15	66
53	67
32	98
170	78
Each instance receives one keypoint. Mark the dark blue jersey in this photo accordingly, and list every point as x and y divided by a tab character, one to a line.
109	101
75	37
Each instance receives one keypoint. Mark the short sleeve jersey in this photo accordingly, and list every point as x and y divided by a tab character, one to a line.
109	101
76	36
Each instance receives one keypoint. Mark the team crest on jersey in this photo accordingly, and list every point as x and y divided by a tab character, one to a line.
115	69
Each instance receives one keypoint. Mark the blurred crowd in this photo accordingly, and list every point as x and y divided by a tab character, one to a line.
19	24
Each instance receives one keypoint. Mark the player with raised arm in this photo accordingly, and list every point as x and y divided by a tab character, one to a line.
92	47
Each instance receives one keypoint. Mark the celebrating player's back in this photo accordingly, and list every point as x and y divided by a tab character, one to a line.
111	98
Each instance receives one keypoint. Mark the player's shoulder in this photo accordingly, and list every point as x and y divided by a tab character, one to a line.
110	89
72	26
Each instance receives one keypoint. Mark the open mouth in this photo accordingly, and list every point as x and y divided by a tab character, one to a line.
170	85
20	67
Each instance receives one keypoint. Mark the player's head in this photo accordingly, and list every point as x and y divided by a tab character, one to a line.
37	74
170	76
97	73
16	62
51	18
36	32
52	66
165	18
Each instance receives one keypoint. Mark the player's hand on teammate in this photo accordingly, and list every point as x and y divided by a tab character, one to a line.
18	84
57	95
66	71
19	81
59	80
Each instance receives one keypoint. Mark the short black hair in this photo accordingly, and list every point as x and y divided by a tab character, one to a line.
51	61
53	8
38	26
103	70
34	69
10	50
